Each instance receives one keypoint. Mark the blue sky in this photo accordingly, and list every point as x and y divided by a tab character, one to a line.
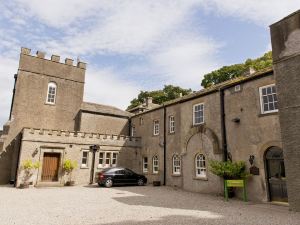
133	45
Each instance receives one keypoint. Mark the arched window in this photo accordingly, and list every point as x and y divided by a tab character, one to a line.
51	94
155	164
200	165
176	164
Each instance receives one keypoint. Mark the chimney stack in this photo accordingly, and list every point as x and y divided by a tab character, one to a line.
149	101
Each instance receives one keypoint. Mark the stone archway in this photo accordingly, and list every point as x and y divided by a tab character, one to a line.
209	133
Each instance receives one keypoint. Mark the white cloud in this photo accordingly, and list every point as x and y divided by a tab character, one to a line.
262	12
105	87
186	60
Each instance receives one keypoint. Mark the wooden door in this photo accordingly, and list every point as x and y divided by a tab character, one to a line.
276	175
50	166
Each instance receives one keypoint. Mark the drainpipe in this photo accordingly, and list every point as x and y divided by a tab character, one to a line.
94	149
129	127
165	144
223	125
13	97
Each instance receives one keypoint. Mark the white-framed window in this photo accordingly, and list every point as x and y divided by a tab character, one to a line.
101	158
51	93
114	159
176	164
268	99
108	159
145	164
155	127
198	114
237	88
85	159
171	124
155	164
133	131
200	165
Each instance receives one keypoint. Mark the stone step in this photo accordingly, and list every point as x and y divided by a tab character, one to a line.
48	184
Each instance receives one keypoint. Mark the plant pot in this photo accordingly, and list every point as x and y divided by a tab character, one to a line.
70	183
24	185
156	183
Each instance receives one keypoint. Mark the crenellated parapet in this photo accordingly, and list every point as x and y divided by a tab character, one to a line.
54	58
81	138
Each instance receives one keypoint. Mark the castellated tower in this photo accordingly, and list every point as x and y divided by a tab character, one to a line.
48	95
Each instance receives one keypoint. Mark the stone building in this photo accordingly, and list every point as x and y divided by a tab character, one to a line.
173	142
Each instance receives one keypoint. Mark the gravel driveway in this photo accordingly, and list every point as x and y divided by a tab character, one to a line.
132	205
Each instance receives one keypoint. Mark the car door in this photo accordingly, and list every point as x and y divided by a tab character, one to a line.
119	177
131	177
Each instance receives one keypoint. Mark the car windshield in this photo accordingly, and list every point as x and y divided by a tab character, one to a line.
130	171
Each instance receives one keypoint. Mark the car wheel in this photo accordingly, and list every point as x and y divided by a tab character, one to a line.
99	184
108	183
141	182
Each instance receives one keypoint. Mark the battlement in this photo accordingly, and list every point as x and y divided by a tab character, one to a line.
72	137
54	58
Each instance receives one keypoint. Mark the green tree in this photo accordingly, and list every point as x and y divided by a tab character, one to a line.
169	92
228	72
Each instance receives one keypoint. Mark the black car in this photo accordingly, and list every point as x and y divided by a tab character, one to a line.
119	176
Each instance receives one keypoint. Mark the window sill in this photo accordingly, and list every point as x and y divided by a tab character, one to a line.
200	178
198	125
50	104
84	167
171	133
155	174
176	175
267	114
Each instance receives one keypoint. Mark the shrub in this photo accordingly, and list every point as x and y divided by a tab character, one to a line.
69	165
28	165
229	170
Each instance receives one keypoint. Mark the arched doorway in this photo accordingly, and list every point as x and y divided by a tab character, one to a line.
275	172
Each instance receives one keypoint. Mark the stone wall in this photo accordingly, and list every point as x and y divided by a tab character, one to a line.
285	36
36	142
253	135
92	122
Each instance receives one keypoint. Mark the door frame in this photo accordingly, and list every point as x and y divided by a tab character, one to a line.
51	149
266	171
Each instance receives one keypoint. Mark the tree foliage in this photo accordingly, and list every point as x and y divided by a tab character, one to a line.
169	92
228	72
229	170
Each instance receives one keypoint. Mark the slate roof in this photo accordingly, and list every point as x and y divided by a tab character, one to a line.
104	109
215	88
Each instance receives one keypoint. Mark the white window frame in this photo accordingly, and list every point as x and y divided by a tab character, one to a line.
155	164
262	101
194	111
141	121
156	127
171	124
101	158
145	165
113	156
176	162
86	165
200	170
51	97
133	131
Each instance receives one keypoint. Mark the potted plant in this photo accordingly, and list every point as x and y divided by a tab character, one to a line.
229	171
68	167
28	166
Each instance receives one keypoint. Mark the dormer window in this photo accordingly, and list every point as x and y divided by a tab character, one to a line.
51	94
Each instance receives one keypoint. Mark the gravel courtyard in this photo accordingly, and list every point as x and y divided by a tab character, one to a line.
132	205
